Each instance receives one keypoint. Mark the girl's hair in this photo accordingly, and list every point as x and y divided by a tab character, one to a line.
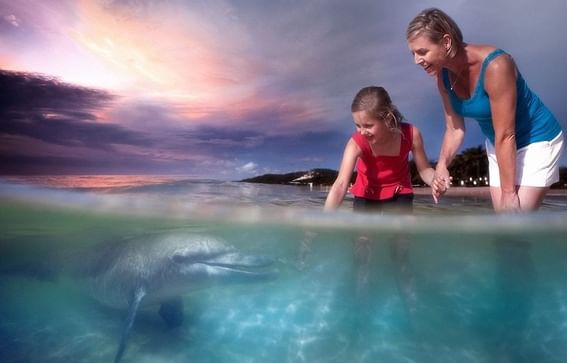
434	24
377	103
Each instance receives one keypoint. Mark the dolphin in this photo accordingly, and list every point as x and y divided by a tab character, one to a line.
159	270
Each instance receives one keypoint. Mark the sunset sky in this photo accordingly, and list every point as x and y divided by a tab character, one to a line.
233	89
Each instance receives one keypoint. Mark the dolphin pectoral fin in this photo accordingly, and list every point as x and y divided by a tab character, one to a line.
171	311
133	306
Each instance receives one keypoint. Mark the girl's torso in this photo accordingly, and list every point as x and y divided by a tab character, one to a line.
383	176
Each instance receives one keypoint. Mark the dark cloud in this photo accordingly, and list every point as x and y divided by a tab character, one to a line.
67	131
28	92
47	110
47	126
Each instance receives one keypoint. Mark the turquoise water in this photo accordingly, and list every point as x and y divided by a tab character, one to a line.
452	283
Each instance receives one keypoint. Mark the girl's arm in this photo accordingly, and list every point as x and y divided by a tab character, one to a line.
341	184
500	85
426	172
424	168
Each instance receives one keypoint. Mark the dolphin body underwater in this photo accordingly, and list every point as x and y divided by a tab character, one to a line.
158	270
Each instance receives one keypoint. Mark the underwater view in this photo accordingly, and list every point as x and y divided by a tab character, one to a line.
154	269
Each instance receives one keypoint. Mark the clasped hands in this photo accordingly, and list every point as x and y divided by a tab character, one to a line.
439	185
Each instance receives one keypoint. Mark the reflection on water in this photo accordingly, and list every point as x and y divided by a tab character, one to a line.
423	288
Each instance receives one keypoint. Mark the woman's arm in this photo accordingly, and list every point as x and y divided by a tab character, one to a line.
500	85
452	140
454	132
341	184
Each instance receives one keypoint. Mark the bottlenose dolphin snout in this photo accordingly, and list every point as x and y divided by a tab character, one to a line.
231	265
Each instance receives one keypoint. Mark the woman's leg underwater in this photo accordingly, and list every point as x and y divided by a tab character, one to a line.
530	197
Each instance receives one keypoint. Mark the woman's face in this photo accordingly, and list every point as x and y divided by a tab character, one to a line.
374	130
427	54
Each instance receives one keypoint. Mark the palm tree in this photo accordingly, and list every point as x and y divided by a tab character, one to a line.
562	179
470	167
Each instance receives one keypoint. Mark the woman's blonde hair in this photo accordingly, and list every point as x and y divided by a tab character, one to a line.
434	24
377	103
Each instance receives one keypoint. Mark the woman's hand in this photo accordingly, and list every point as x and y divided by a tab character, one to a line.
440	184
509	203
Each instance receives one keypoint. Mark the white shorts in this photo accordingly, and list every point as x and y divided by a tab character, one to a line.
537	165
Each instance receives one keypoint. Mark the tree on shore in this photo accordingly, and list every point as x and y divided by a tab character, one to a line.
469	166
562	179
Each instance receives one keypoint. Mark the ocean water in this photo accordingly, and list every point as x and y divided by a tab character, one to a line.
451	283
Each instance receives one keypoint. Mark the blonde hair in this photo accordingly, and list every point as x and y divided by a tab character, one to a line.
434	24
377	103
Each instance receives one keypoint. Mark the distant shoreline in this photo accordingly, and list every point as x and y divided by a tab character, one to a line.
482	192
457	191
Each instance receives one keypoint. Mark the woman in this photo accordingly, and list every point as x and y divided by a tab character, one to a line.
524	140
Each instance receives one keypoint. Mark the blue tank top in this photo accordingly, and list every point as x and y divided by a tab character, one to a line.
534	121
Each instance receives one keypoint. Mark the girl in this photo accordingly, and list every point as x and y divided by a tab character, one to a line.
380	148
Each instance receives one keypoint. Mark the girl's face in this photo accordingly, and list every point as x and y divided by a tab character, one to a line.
374	130
429	55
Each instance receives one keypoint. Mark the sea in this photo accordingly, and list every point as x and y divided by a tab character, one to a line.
452	282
